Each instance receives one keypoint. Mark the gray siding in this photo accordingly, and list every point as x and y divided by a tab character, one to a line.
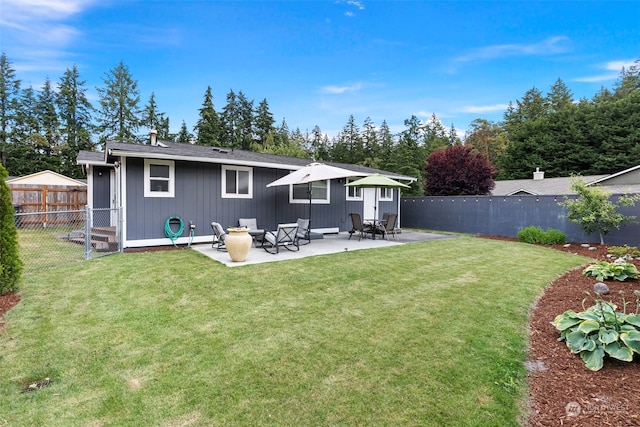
101	187
198	199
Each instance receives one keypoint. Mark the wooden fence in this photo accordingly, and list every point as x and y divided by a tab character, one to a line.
30	198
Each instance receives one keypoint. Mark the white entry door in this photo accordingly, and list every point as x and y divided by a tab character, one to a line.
369	199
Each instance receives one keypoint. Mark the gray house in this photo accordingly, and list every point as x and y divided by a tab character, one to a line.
199	184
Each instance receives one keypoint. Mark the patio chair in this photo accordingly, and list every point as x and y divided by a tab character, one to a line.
304	232
387	226
284	237
358	226
219	235
252	225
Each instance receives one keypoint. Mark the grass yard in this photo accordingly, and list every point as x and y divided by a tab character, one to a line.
427	334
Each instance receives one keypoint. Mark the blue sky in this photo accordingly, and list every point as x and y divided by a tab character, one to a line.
317	62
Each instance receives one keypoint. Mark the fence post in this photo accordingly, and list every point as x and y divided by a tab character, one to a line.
87	233
120	229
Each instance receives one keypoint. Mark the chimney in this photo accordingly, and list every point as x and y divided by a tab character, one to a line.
153	133
537	175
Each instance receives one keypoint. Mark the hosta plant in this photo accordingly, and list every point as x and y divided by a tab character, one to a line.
620	270
600	330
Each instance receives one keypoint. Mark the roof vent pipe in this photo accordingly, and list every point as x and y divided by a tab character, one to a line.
153	134
537	175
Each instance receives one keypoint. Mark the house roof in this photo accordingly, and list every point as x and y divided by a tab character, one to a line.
189	152
626	181
45	177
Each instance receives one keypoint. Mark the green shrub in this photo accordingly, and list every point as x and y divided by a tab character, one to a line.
531	234
619	269
537	235
10	263
624	251
554	237
600	330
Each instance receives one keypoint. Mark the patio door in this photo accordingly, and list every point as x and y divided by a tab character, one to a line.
369	199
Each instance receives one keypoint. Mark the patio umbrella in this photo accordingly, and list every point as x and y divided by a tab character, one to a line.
376	181
311	173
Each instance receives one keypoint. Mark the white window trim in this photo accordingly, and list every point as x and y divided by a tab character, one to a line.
313	201
357	198
385	199
147	178
224	193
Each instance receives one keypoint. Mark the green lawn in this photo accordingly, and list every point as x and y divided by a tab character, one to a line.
422	334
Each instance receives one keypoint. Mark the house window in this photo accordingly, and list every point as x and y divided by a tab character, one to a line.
159	178
299	193
386	194
353	193
237	182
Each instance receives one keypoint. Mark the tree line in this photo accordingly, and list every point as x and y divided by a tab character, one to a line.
45	129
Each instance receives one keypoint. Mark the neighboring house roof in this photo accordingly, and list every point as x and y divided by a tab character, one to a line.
46	177
189	152
626	181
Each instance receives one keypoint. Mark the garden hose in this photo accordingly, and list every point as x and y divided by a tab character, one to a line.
173	235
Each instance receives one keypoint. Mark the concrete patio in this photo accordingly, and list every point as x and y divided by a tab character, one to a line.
331	243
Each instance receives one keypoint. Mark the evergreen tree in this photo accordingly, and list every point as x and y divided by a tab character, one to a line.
319	144
628	82
245	131
184	136
387	143
230	119
9	92
370	144
408	153
10	263
75	113
153	119
559	97
119	99
264	122
208	127
24	153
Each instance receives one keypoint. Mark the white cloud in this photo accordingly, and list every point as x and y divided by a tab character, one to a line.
614	66
338	90
484	108
550	46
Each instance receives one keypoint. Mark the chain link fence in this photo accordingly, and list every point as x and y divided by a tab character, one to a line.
58	238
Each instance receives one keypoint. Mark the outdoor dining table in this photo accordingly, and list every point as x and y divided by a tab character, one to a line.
374	223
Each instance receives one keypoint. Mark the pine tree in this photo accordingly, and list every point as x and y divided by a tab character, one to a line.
153	119
119	114
184	136
230	119
10	263
559	97
245	131
264	122
9	92
75	114
208	127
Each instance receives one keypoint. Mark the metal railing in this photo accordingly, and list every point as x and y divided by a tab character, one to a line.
57	238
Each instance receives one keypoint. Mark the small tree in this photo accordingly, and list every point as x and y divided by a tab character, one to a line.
10	263
594	211
458	171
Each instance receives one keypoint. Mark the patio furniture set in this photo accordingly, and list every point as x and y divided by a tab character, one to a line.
287	236
384	227
290	235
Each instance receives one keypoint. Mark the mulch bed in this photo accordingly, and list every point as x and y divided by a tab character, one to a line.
563	392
